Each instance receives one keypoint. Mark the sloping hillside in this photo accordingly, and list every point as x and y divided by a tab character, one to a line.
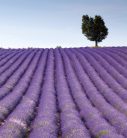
68	93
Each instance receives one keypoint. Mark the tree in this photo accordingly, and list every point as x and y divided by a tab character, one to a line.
94	28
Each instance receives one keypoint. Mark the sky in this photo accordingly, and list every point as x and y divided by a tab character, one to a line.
52	23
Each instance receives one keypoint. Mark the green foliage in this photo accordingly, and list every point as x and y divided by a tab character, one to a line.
58	47
94	28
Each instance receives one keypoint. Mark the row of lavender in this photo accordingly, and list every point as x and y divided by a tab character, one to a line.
49	93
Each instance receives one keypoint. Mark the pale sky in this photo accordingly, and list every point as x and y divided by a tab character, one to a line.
51	23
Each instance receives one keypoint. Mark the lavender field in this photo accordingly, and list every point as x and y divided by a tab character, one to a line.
63	93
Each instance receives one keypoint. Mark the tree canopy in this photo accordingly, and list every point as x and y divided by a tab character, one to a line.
94	28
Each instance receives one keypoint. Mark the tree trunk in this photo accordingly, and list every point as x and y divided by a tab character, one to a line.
96	44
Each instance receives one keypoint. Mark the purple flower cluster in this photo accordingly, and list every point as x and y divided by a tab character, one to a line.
68	93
